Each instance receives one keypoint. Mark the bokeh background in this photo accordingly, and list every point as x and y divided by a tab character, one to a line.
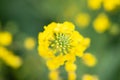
24	19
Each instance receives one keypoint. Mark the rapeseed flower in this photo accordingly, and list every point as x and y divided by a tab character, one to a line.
101	23
89	77
60	43
10	59
29	43
89	59
70	67
71	76
110	5
54	75
82	20
5	38
94	4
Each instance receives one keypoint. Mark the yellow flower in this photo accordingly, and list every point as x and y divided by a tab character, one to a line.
89	59
71	76
80	49
89	77
55	62
29	43
70	67
10	59
101	24
94	4
54	75
82	20
110	4
5	38
60	42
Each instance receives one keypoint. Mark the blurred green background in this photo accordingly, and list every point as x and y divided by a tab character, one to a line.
26	18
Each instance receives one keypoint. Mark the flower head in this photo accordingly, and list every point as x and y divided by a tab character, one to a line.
71	76
89	77
94	4
54	75
9	58
89	59
110	5
29	43
101	23
82	20
5	38
61	42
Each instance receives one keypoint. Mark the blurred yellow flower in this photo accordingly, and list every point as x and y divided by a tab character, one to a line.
110	4
101	23
70	67
71	76
89	59
89	77
82	20
10	59
54	75
29	43
54	63
5	38
94	4
60	43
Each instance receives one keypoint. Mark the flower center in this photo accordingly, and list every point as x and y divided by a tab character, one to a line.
61	43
